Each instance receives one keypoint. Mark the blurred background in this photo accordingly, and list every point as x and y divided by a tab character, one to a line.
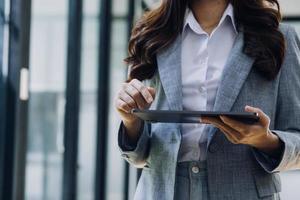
61	63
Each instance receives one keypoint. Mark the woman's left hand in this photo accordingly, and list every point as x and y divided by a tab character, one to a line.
257	135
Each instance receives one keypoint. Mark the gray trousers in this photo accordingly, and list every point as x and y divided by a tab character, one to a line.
191	181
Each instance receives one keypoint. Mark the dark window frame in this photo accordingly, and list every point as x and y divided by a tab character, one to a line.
71	120
105	20
15	111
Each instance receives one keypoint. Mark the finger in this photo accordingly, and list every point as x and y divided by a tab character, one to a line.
123	106
212	120
217	122
229	136
143	90
127	99
236	125
235	135
263	118
152	91
136	96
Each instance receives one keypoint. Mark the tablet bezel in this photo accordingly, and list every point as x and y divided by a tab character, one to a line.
172	116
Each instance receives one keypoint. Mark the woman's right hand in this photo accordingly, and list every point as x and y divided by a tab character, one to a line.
133	95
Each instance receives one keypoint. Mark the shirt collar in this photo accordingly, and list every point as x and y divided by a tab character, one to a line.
194	25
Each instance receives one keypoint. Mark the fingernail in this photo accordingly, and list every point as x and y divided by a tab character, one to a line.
149	100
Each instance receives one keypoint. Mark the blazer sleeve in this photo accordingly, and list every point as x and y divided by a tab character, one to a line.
135	153
287	122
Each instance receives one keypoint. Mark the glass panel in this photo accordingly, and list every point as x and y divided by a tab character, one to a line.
46	105
152	3
290	7
120	7
88	101
115	173
290	185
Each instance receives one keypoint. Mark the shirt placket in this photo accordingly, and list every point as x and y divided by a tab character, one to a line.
203	55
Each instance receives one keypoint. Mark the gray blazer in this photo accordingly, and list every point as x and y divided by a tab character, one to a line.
235	172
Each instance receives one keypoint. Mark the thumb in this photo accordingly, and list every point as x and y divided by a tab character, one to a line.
263	118
152	91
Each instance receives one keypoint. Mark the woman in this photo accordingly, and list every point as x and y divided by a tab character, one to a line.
219	55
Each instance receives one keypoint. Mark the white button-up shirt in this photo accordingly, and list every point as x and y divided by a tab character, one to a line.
203	59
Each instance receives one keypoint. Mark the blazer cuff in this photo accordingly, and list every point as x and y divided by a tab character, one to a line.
126	145
271	164
124	142
135	154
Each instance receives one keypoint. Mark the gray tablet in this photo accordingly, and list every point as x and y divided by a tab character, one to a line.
168	116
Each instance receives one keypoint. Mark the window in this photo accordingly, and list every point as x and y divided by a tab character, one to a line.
47	99
49	89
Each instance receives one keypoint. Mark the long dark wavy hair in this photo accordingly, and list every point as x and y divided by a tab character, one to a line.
159	27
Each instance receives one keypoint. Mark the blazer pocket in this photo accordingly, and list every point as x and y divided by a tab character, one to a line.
266	184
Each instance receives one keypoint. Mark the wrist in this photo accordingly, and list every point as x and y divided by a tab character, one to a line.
270	145
132	129
132	123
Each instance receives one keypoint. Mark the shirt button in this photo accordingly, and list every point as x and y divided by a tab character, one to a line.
195	170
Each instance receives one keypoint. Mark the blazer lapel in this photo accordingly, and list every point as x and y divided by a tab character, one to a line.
169	68
234	75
